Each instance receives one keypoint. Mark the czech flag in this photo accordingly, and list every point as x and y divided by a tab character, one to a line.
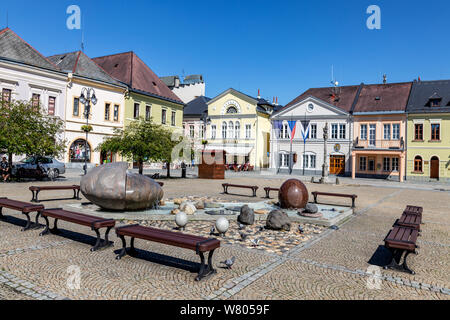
292	126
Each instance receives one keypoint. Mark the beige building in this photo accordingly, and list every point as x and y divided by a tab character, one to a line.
239	124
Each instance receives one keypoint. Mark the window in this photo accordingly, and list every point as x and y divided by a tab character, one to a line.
6	96
202	131
418	164
76	107
363	132
163	116
174	117
136	111
35	101
387	132
248	131
231	110
284	160
386	164
371	164
191	131
305	161
148	113
395	164
213	131
285	133
418	131
107	111
51	106
230	130
362	163
312	161
314	131
342	130
237	130
116	112
435	102
396	131
224	130
435	131
372	135
334	131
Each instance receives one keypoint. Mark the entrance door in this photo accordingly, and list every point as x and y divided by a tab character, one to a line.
434	169
337	164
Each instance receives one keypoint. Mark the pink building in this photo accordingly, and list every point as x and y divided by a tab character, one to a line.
379	131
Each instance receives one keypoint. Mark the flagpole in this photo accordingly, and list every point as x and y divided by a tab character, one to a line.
304	148
290	152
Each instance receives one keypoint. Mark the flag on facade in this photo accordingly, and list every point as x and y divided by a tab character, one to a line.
305	130
278	125
292	125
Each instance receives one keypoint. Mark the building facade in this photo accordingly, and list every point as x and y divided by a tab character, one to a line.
195	117
147	97
192	87
317	108
379	121
26	75
240	125
105	116
428	157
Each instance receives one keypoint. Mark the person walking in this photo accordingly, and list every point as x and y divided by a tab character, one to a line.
5	168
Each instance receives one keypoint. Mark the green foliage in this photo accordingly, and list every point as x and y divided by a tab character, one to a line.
87	128
26	130
142	141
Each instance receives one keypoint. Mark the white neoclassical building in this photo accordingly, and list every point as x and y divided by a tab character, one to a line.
316	108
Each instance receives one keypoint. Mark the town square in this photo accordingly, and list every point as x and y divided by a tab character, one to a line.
124	178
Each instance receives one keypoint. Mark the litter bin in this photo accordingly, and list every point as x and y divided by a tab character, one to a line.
183	170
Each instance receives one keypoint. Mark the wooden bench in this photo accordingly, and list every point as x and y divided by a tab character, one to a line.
24	207
401	240
36	189
342	195
95	223
227	185
196	243
268	189
414	210
409	220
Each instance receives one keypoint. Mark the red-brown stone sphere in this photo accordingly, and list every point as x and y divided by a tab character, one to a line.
293	194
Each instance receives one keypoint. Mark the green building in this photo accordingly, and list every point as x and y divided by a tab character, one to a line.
147	96
428	131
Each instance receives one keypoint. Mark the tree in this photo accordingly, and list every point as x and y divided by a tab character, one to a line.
24	129
141	141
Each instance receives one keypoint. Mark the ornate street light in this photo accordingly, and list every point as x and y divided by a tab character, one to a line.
87	96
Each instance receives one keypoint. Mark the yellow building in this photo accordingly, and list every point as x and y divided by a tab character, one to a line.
239	124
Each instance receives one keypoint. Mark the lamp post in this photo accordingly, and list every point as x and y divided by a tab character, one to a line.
87	96
325	158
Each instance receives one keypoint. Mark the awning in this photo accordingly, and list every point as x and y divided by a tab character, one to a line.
233	150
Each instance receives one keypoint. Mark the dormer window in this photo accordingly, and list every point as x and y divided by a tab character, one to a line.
231	110
435	102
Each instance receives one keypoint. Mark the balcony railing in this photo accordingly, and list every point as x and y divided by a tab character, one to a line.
379	144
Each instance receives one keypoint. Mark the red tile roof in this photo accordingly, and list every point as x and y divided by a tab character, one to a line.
131	70
343	100
383	97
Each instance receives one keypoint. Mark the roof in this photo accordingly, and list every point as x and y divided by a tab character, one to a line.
193	78
423	91
80	64
169	80
383	97
198	106
343	100
14	48
130	69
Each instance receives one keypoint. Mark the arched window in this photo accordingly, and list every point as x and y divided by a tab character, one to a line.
224	130
418	164
231	110
237	130
77	151
230	130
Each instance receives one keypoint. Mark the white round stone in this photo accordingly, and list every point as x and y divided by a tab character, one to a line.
222	225
181	219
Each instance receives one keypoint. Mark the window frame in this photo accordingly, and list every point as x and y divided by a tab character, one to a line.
418	164
136	110
164	116
436	134
107	111
53	107
418	132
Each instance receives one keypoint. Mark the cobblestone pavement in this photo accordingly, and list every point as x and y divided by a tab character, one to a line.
331	264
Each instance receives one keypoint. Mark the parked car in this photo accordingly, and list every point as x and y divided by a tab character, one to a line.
38	167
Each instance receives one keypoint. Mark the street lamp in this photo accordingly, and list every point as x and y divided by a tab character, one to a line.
87	96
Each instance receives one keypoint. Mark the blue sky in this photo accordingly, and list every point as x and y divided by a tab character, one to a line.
280	47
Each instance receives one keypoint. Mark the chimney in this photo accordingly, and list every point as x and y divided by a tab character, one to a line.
276	102
384	79
259	96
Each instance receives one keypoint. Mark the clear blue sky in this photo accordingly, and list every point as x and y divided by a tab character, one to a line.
281	47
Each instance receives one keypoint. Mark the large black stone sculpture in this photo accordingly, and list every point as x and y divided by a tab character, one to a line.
111	187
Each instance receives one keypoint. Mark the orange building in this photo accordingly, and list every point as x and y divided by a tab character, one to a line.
379	131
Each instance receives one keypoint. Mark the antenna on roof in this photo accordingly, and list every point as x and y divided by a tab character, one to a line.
82	40
7	19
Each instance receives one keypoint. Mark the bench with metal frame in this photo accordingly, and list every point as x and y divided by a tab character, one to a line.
24	207
36	189
342	195
227	185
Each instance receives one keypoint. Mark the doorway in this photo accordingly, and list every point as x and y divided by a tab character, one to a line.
434	168
337	165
